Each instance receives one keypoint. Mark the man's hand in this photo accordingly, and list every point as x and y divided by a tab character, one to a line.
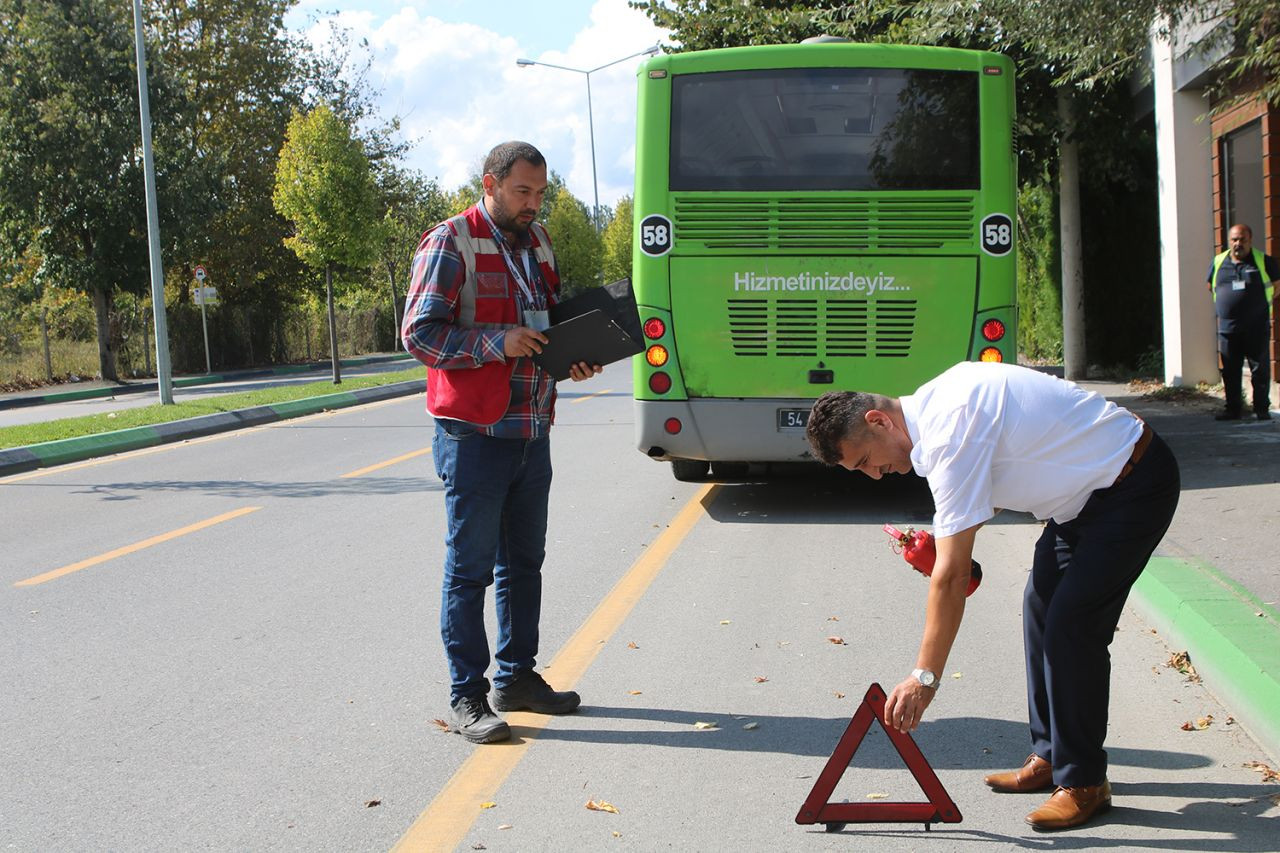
906	703
582	370
522	341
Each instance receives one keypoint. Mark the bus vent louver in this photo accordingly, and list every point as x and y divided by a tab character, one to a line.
852	328
939	223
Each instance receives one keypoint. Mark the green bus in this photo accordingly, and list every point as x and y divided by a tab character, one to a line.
812	217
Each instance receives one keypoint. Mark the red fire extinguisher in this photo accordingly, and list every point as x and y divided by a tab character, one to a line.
918	549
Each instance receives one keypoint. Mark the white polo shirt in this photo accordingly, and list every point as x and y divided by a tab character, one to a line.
989	435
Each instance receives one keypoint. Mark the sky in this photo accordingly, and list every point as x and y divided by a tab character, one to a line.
448	69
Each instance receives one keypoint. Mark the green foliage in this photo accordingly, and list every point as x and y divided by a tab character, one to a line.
323	184
616	241
577	246
1039	282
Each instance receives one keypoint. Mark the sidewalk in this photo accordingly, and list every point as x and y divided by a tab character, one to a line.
1212	588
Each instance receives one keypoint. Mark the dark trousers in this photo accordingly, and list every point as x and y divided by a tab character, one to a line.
1080	578
1235	348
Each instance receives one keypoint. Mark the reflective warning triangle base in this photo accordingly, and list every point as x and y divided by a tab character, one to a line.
940	808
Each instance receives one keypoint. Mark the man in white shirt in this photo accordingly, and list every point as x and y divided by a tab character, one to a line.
989	435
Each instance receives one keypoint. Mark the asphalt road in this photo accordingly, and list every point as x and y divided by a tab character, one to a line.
231	643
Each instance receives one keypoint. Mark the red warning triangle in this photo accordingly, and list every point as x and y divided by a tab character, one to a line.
939	809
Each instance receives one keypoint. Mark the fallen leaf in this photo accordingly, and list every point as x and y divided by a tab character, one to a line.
632	645
504	826
725	622
877	796
1181	661
838	695
957	675
751	727
478	846
440	724
372	803
837	641
760	679
1268	775
1204	722
833	618
702	725
634	692
1188	726
602	806
487	805
617	834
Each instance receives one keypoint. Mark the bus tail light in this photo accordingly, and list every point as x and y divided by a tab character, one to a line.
993	330
990	354
654	328
673	426
660	383
656	355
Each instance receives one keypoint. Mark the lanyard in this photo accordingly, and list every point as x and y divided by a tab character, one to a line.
526	281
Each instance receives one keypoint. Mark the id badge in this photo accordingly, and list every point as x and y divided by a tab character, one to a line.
539	321
1237	285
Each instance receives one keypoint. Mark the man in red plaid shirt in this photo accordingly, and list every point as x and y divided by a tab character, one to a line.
481	285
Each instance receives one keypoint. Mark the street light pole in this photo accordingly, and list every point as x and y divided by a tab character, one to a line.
164	374
591	128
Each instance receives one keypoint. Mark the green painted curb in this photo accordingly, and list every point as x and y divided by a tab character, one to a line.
1232	637
66	450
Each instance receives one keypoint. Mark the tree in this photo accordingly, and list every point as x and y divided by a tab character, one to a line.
70	155
576	243
413	204
616	241
324	185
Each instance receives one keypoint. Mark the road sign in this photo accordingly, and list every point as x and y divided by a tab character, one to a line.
201	273
205	295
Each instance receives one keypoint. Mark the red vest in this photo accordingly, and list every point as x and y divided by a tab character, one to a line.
489	300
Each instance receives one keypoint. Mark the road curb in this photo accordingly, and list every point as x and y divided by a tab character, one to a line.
1232	637
18	460
18	402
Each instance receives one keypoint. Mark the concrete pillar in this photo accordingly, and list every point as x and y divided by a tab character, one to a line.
1183	149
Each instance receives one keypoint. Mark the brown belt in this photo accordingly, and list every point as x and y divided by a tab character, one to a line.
1139	448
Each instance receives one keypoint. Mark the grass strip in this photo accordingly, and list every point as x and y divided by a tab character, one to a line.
37	433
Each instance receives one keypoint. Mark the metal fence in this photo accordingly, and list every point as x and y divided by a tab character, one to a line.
50	348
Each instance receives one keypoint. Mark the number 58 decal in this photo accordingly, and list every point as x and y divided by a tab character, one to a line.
655	235
997	234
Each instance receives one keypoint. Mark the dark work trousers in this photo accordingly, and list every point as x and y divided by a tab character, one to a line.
1080	578
1234	348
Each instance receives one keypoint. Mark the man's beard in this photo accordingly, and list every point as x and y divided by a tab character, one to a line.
508	221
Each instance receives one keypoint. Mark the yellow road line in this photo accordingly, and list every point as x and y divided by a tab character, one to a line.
377	465
447	820
589	396
137	546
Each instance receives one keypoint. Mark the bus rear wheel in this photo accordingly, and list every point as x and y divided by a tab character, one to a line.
729	470
689	470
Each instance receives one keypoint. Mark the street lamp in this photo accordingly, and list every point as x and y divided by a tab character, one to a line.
649	51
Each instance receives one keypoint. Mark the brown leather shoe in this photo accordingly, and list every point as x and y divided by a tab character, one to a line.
1035	774
1070	807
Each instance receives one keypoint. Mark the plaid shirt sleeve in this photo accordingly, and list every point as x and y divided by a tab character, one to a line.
429	331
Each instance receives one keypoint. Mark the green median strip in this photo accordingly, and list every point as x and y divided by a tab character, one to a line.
1233	637
144	416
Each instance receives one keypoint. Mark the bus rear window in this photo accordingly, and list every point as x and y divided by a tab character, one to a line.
825	129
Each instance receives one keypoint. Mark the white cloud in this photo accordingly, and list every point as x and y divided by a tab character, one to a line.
458	91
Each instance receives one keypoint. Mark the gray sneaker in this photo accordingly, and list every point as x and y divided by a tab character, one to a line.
529	692
475	721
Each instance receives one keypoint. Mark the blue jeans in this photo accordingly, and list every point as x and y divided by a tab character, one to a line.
496	492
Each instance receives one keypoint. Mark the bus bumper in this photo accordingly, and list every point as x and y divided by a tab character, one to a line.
721	430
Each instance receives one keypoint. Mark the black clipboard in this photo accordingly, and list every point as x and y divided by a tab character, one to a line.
591	337
616	300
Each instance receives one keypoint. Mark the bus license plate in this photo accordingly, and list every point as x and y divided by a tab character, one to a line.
792	418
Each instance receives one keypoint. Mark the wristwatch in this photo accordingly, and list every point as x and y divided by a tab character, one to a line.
925	677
